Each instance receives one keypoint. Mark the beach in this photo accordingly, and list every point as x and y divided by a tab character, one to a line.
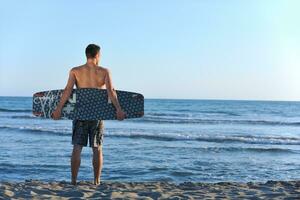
32	189
198	100
180	149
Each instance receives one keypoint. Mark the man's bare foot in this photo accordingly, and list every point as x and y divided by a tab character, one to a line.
73	182
97	182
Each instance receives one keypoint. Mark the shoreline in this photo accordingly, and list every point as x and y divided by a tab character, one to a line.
149	190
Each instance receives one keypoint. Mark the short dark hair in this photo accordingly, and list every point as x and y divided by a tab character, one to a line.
92	50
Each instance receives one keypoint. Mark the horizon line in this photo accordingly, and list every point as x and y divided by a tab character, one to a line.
203	99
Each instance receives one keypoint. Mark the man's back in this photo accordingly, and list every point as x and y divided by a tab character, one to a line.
90	76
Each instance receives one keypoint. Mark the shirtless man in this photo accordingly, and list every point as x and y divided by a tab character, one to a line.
89	75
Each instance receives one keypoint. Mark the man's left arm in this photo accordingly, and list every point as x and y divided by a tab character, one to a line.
65	95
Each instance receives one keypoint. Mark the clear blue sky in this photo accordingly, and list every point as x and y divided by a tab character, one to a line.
197	49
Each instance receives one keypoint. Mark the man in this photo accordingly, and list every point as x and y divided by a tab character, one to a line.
89	75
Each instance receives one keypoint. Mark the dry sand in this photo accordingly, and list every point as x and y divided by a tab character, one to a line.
32	189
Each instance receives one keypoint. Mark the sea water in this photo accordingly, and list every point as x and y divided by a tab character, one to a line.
176	140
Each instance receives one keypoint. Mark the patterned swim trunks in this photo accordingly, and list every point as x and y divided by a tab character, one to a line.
84	130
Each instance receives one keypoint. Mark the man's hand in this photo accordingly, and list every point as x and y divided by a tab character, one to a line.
56	114
120	114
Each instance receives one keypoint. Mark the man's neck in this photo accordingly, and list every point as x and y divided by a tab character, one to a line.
92	63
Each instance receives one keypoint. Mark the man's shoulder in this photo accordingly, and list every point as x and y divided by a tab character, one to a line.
77	68
104	69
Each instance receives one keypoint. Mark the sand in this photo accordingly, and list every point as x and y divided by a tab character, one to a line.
33	189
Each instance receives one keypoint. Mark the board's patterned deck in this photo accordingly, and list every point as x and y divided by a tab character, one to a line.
88	104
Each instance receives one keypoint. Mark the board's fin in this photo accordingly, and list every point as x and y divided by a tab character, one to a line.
39	94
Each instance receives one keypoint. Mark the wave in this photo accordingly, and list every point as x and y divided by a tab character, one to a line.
271	150
246	149
218	139
39	130
14	110
239	149
162	120
268	140
25	117
220	112
180	113
208	112
247	139
252	140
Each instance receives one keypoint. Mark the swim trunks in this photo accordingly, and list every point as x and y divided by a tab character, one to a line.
84	130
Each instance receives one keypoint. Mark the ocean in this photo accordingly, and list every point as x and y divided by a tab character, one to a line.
176	140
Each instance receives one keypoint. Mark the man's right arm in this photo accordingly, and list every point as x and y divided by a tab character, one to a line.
65	95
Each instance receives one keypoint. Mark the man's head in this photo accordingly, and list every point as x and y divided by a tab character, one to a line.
92	51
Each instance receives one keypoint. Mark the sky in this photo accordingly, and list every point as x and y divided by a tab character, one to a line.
176	49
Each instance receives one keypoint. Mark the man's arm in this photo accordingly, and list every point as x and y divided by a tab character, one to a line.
65	95
113	95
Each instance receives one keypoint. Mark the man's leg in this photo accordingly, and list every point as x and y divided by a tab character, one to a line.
97	163
75	162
